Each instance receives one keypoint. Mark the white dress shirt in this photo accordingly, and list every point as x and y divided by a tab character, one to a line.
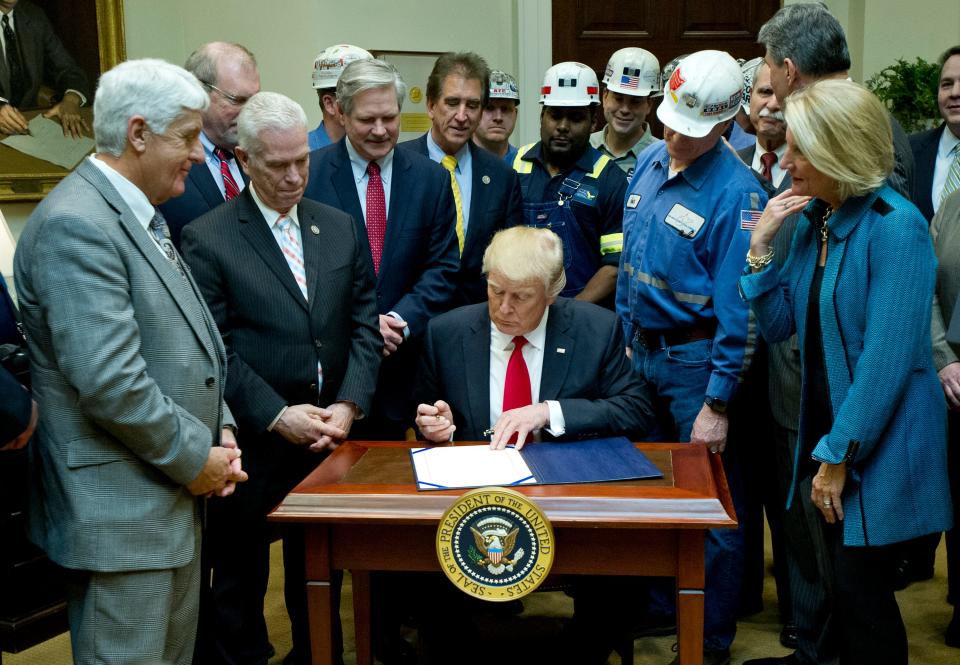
272	217
776	171
360	177
941	168
501	348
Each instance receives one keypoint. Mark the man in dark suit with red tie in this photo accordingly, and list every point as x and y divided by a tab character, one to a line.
486	190
290	285
403	205
229	73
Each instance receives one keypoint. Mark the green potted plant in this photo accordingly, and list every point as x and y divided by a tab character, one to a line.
909	90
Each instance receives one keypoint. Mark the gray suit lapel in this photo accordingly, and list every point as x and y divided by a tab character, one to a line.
558	349
184	293
476	363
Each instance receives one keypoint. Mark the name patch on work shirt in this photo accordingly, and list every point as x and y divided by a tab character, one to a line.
686	222
633	200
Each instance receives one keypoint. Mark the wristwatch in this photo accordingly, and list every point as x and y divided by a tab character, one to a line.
716	404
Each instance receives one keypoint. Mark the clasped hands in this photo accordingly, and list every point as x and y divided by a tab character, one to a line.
222	471
435	422
317	428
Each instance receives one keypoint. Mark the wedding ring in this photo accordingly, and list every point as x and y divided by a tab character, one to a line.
827	504
438	417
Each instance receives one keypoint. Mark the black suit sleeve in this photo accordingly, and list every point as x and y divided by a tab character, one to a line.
624	406
360	380
433	291
249	396
901	179
15	408
515	202
60	70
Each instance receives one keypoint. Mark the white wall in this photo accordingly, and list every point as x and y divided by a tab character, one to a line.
286	35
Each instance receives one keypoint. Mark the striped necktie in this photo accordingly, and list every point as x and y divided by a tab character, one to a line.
953	175
292	251
449	162
230	188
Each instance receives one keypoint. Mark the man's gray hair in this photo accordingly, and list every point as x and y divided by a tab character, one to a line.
154	89
810	36
203	62
362	75
265	111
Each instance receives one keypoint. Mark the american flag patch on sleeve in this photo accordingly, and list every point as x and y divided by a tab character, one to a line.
749	219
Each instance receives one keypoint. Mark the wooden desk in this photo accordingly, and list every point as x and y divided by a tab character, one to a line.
364	513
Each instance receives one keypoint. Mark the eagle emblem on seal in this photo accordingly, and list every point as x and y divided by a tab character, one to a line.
496	539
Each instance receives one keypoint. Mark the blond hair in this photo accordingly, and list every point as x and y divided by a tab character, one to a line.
843	130
524	253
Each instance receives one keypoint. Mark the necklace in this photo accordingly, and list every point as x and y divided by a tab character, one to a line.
824	227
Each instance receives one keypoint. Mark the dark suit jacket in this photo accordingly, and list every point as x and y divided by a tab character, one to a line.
15	404
274	337
200	195
924	146
419	265
584	368
495	204
44	58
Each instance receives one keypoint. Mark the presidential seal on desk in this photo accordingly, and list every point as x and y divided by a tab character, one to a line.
495	544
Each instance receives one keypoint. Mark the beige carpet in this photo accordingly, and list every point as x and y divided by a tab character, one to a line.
924	609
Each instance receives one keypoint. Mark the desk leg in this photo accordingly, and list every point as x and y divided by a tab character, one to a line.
361	616
690	583
319	598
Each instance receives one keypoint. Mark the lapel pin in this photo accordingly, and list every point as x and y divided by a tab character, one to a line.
485	179
314	229
561	350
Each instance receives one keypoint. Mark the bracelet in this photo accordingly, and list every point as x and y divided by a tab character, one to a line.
758	262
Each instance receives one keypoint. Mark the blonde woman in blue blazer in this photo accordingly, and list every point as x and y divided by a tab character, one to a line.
857	289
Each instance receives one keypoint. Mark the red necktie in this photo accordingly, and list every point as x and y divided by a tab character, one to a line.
516	387
376	214
230	188
768	159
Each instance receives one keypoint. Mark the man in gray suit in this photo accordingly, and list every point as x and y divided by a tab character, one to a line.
128	371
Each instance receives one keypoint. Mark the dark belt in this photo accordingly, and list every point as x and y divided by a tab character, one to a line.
657	339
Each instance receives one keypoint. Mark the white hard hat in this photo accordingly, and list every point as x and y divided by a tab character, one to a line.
570	84
633	71
328	66
705	89
503	86
749	71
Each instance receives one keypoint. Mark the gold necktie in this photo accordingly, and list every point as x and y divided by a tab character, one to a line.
449	162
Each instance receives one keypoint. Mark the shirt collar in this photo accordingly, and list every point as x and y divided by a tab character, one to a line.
359	164
132	195
585	162
269	214
697	173
208	147
536	338
635	149
947	141
437	154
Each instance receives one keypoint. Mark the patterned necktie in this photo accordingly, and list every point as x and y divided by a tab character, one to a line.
953	175
449	162
292	252
376	214
161	233
230	188
768	159
18	77
516	386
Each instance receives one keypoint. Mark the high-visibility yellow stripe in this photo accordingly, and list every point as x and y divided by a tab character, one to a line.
598	165
650	280
611	243
519	165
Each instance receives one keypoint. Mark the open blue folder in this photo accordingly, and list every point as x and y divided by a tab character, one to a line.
592	461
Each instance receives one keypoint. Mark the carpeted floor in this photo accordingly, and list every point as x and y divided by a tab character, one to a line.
924	609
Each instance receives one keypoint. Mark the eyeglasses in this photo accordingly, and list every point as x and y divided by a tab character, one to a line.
233	99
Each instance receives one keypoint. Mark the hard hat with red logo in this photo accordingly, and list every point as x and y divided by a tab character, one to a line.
633	71
570	84
704	90
328	66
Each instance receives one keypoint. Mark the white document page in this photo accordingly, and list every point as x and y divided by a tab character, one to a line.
469	466
46	141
